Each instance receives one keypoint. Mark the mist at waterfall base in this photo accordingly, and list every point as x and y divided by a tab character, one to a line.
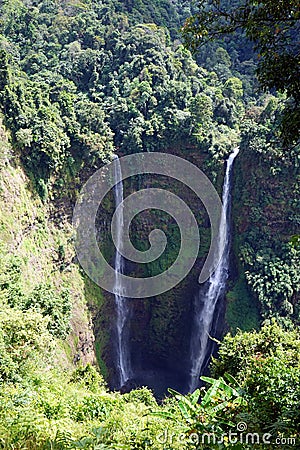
207	317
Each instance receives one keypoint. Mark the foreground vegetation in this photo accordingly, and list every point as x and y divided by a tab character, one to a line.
44	407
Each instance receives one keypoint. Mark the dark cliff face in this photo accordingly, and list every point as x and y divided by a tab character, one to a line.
159	327
263	220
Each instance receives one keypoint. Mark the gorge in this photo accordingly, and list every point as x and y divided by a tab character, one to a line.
205	309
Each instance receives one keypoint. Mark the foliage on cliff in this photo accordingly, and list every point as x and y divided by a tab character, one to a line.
273	27
267	215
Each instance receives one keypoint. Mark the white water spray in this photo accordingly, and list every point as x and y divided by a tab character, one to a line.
122	306
215	287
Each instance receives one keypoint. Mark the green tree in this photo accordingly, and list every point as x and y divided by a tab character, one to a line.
274	28
267	366
24	340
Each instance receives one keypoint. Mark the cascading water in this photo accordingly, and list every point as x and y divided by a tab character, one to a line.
207	298
122	306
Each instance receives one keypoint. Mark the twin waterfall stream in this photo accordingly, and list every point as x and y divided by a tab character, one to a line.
214	288
205	302
122	303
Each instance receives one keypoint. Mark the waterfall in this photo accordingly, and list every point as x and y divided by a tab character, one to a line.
122	306
207	298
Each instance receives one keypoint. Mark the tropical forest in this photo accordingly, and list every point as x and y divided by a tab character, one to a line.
149	224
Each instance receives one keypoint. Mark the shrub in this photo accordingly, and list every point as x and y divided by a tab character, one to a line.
24	338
